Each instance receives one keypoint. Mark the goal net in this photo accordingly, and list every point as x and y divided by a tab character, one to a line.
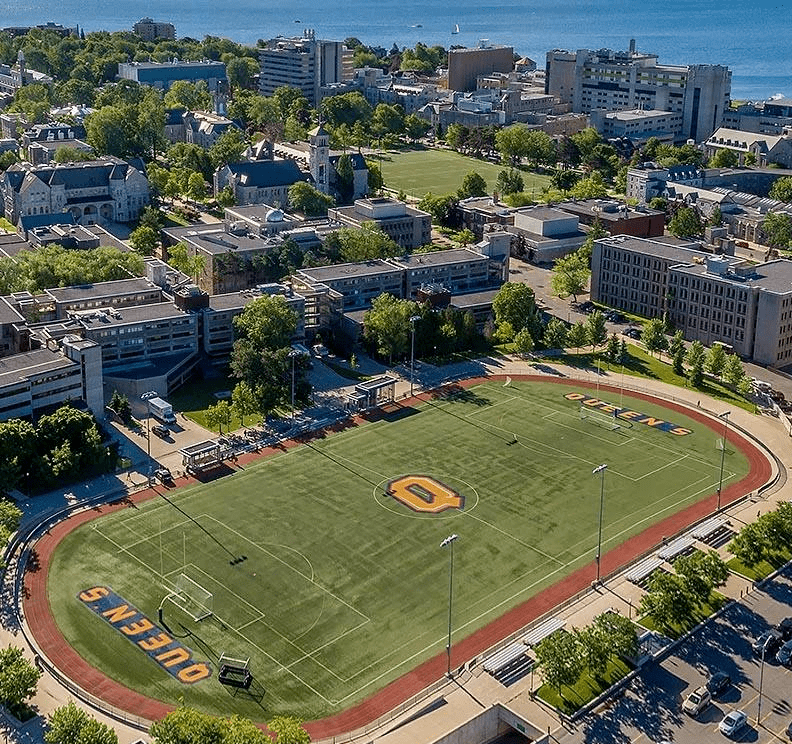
604	420
192	598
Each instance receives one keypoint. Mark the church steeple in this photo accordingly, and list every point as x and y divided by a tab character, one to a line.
319	157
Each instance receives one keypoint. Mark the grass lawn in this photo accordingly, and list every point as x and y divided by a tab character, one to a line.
588	687
345	587
701	612
417	171
196	396
760	570
346	371
6	225
643	364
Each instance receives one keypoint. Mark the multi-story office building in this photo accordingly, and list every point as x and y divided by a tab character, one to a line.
466	65
710	298
407	226
306	63
621	81
150	30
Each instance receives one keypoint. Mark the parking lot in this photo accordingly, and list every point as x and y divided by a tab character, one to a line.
650	709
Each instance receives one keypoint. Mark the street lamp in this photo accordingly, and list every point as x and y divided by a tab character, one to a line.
293	353
725	417
761	683
413	320
147	397
601	470
450	540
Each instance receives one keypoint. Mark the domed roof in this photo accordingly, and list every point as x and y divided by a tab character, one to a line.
275	215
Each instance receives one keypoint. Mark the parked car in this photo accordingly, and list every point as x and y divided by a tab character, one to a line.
769	641
733	722
718	683
586	307
163	475
614	316
784	654
632	332
163	432
784	627
694	703
789	730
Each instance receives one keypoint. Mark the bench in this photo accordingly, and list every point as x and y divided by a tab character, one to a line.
644	570
677	547
504	657
547	628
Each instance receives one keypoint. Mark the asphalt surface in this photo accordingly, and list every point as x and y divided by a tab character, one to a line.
650	709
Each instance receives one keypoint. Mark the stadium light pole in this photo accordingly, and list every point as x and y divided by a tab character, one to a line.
413	320
292	355
449	541
725	417
147	397
601	470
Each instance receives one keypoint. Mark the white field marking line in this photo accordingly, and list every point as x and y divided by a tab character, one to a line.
309	579
512	537
255	610
121	548
484	409
352	462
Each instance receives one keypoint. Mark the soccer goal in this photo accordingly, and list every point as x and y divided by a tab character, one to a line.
192	598
604	420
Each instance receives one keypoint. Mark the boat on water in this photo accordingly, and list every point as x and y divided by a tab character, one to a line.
417	25
456	29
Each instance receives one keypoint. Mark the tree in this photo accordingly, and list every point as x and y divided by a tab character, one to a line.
228	148
345	178
510	181
613	349
472	185
305	198
441	208
686	223
241	71
555	334
516	304
243	401
72	725
724	158
594	648
288	730
668	601
590	187
677	344
653	336
620	632
387	325
750	544
10	517
733	372
219	415
523	342
18	679
577	336
560	658
110	132
695	360
144	240
179	257
266	323
243	731
188	726
782	189
596	331
512	142
345	109
702	572
196	187
777	228
190	96
716	359
570	275
361	244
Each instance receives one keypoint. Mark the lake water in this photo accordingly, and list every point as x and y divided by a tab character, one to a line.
751	38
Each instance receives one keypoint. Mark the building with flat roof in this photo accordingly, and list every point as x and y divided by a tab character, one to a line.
163	74
150	30
407	226
622	81
710	298
306	63
545	234
466	65
765	149
638	125
617	217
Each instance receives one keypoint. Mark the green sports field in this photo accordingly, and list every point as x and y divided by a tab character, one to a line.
344	588
441	171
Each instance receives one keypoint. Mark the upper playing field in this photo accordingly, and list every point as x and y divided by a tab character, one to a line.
418	171
344	586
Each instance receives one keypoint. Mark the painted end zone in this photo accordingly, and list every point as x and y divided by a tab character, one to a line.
52	644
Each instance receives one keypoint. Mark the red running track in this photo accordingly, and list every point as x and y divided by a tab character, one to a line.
42	624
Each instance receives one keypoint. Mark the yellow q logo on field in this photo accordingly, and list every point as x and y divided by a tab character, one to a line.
422	493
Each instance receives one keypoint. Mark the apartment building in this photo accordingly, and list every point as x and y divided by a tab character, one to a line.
466	65
150	30
710	298
306	63
407	226
622	81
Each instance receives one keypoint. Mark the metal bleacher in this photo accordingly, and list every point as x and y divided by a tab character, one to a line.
504	657
547	628
643	570
714	531
680	546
